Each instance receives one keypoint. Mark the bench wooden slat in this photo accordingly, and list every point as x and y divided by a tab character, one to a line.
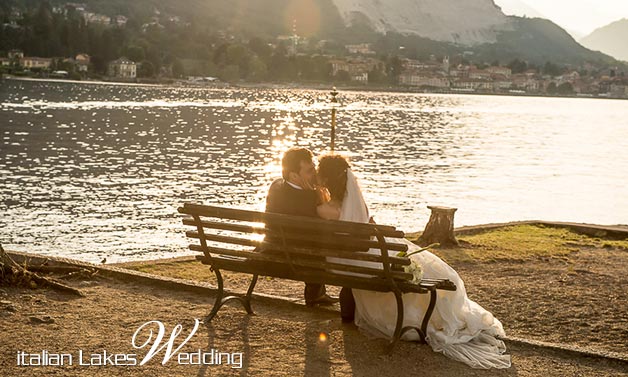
313	251
227	226
225	239
372	284
291	221
357	255
341	241
443	284
296	261
322	241
360	256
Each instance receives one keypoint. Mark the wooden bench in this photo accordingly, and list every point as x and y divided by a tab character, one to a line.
291	247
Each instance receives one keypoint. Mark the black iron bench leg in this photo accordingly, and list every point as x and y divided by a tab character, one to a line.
221	300
421	331
218	302
428	314
398	329
249	293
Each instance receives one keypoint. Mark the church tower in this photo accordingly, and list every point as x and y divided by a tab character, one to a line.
446	64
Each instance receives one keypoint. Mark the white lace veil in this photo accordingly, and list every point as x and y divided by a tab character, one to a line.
353	205
353	209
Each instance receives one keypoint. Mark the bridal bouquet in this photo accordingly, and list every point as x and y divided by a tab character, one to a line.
416	270
414	267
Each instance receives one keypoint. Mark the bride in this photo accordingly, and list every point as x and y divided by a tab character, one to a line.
459	328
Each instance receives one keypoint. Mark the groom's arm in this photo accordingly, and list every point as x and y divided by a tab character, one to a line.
273	200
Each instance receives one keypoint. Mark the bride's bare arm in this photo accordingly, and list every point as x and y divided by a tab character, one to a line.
328	212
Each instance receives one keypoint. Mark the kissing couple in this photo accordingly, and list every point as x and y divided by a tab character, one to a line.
459	327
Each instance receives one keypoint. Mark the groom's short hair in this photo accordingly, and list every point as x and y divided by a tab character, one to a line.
291	161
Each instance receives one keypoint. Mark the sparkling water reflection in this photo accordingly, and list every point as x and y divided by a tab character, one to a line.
99	170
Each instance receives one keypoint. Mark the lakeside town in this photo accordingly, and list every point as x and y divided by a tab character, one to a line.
429	76
103	47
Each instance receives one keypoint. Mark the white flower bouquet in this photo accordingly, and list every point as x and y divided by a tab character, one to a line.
414	267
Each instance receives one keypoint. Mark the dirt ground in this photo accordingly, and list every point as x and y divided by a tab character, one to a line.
570	290
282	339
565	288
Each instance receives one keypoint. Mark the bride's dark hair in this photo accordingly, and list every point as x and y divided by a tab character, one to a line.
332	171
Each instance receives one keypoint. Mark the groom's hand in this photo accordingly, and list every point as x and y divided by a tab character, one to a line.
304	184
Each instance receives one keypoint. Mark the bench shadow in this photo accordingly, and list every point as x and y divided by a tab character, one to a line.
366	357
245	349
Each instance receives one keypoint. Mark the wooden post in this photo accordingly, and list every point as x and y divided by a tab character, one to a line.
334	101
440	227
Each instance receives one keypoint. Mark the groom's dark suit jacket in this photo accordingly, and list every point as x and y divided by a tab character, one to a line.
285	199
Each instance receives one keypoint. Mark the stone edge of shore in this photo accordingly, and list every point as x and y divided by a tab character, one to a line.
117	271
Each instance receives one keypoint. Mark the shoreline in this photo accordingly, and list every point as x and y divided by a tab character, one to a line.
303	86
617	231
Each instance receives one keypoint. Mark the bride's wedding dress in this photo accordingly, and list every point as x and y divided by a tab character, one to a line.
459	328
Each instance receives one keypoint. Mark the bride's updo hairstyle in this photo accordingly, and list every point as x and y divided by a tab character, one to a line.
332	172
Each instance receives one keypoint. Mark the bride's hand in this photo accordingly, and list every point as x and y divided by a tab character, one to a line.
323	195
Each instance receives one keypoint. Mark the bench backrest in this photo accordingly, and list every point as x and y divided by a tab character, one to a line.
299	242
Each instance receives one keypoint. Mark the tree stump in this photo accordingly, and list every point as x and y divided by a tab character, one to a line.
440	227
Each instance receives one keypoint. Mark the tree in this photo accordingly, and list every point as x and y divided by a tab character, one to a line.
565	88
257	69
552	69
146	69
377	75
517	66
135	53
551	88
230	73
260	48
281	67
394	68
178	70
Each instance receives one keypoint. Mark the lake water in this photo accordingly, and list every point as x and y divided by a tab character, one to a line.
89	170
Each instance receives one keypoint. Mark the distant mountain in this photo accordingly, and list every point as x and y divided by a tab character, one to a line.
423	27
518	8
477	26
611	39
538	40
468	22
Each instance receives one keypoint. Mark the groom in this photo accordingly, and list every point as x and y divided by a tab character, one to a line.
295	194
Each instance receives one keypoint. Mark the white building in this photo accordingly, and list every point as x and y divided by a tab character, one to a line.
496	70
362	49
35	62
122	68
415	79
15	54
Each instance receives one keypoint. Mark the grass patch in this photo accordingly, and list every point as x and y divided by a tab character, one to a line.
523	242
191	270
518	242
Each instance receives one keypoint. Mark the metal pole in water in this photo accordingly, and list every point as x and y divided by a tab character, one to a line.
334	101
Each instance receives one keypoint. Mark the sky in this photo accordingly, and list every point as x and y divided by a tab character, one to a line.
578	17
